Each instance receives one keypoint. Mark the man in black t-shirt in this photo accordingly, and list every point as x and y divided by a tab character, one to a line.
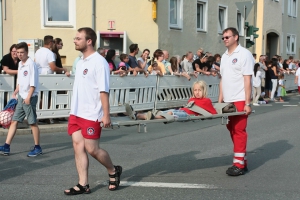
134	67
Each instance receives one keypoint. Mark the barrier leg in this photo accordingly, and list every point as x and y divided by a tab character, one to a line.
225	120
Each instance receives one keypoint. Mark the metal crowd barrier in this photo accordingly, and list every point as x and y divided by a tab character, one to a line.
175	91
138	91
6	89
290	82
142	93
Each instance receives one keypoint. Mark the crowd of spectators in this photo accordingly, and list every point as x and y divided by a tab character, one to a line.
266	81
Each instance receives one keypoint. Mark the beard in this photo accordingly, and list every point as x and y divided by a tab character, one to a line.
81	48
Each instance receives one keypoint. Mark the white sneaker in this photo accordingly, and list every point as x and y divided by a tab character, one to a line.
256	104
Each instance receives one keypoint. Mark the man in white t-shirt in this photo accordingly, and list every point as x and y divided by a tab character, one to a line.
297	79
45	58
235	87
90	109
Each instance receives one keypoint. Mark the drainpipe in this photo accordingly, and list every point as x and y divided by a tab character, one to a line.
1	30
254	23
94	15
94	18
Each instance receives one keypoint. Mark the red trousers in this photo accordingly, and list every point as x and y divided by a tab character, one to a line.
299	89
237	128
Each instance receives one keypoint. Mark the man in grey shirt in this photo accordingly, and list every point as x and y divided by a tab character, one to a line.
187	63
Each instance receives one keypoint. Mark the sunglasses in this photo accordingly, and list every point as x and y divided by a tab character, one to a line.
226	37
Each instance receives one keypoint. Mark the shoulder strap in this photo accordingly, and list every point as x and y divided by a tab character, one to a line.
191	106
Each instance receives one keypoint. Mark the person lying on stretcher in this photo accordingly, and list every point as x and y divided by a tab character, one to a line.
199	98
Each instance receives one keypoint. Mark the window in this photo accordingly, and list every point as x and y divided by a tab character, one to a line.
240	23
222	18
175	14
201	15
291	44
292	8
58	13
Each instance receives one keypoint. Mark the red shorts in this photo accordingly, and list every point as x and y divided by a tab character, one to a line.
89	129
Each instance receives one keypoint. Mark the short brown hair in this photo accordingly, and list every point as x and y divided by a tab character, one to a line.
22	45
89	34
233	30
48	39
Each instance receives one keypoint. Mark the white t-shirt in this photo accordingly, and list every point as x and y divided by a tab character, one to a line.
298	74
28	76
256	80
291	65
91	78
43	57
280	82
233	68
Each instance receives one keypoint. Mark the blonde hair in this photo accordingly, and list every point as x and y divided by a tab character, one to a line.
203	87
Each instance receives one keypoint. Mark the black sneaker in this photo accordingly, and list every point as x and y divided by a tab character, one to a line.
236	171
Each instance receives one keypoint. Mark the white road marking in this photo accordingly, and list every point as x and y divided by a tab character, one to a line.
265	104
161	185
282	102
289	105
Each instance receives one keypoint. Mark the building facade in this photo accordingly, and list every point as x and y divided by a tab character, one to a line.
174	25
278	24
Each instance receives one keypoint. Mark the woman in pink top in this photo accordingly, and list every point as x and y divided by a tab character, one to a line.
110	57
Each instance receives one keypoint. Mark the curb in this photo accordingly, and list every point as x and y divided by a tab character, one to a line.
47	128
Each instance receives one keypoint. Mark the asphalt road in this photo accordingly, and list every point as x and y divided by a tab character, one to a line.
183	160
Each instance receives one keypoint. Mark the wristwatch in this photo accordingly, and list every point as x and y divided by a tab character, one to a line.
247	104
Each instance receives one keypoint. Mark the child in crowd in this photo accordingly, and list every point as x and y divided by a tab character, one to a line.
123	66
199	97
281	88
124	61
256	82
155	69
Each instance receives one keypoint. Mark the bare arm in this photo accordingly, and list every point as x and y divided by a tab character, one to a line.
57	69
170	69
142	65
275	71
9	71
220	92
105	106
16	92
30	92
197	67
247	84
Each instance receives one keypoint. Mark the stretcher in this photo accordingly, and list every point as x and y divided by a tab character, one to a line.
117	122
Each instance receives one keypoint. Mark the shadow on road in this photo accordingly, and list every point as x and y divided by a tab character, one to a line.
187	162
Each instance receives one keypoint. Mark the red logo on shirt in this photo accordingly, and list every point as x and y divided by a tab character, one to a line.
85	71
90	131
234	60
25	73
